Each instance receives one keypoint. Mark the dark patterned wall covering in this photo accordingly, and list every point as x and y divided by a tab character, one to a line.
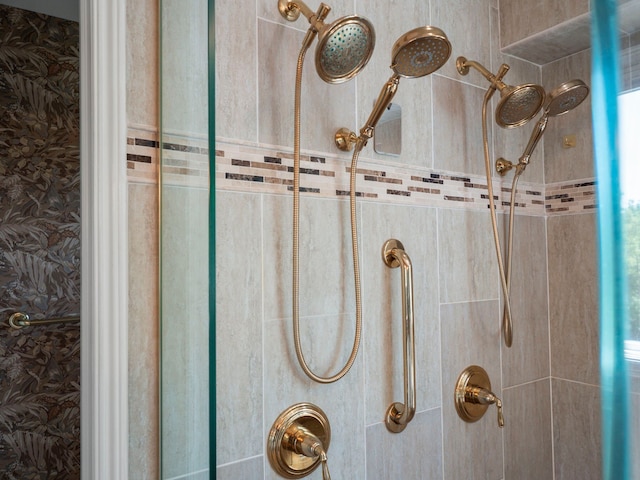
39	245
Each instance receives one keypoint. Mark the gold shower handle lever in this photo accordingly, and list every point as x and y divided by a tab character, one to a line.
400	414
473	395
482	396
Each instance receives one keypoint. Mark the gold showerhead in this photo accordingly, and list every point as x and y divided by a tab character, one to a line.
517	104
344	46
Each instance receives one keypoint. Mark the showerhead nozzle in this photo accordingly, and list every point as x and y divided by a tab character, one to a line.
519	104
420	52
566	97
344	48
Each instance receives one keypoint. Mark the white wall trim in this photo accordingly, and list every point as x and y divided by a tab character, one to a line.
104	408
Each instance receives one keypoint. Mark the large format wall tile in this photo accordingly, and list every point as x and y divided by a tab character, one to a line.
528	357
249	469
520	19
325	257
576	430
420	444
143	339
468	267
527	431
468	27
573	298
458	132
238	326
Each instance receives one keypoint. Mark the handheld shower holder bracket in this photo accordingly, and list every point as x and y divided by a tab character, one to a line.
503	166
345	139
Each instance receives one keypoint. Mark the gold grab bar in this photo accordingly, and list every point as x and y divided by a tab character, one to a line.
19	320
400	414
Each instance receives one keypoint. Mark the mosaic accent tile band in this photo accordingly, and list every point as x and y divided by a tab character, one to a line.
265	169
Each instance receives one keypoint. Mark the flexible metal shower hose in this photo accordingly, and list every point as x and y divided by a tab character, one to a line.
512	206
296	234
507	328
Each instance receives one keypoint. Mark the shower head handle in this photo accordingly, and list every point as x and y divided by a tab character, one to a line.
535	137
384	99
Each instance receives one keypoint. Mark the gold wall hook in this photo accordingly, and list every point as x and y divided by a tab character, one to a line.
473	395
345	139
299	440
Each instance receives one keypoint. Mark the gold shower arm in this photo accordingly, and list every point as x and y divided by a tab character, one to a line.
462	64
19	320
291	11
400	414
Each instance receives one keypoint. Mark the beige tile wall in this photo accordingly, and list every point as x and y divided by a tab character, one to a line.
457	292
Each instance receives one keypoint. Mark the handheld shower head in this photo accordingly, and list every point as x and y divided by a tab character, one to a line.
417	53
566	97
344	46
517	104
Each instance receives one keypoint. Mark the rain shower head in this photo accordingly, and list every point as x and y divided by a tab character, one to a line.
517	104
344	46
566	97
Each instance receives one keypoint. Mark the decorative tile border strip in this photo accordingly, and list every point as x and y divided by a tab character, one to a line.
264	169
577	196
270	170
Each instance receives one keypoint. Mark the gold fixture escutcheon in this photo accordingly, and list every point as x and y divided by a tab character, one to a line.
473	395
283	450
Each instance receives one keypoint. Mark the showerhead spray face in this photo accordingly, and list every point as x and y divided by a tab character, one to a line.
415	54
566	97
519	104
344	46
420	52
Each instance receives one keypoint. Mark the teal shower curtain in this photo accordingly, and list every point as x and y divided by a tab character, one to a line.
613	312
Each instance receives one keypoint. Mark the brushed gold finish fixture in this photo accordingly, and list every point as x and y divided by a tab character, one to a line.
400	414
20	320
473	395
298	441
517	104
344	46
561	100
417	53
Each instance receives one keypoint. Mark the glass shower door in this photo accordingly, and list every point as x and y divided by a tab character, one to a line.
184	227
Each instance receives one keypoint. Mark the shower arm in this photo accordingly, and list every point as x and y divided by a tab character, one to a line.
291	11
462	64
